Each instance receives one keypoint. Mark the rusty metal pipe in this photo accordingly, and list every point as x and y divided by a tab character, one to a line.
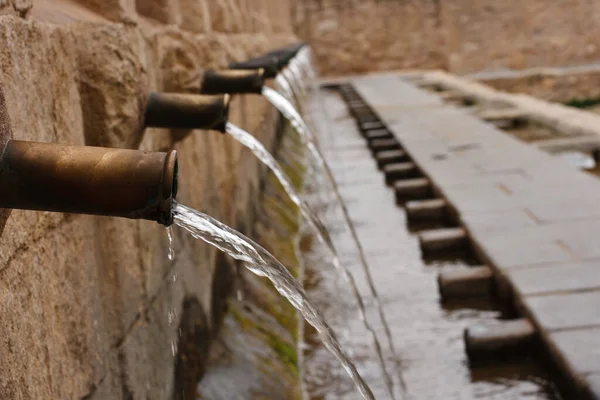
186	111
88	180
233	81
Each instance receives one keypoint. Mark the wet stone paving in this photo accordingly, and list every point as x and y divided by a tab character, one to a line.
427	334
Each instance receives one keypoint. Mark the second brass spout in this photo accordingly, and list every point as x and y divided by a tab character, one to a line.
88	180
186	111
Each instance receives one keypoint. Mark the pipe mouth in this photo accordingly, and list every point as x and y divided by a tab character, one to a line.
221	126
233	81
168	189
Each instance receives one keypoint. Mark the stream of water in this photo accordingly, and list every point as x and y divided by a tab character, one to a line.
263	155
260	262
290	113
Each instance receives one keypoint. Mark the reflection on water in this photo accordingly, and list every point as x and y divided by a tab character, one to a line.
427	333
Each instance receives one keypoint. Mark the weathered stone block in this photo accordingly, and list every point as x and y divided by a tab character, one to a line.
565	311
114	10
113	84
196	16
54	327
574	276
165	11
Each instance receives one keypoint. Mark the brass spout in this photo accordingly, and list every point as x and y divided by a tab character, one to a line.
270	65
186	111
232	81
88	180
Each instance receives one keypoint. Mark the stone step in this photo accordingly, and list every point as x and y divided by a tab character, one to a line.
506	337
377	145
379	134
368	118
466	282
423	210
361	112
412	189
437	240
386	157
356	104
398	171
367	126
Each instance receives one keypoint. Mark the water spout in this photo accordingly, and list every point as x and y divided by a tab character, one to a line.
262	263
186	111
88	180
233	81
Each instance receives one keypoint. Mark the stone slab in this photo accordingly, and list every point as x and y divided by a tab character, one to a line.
391	90
565	310
533	218
580	349
562	277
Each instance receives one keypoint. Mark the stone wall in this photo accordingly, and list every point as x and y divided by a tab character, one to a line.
461	36
91	307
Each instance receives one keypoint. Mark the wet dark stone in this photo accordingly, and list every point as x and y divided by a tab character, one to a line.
192	349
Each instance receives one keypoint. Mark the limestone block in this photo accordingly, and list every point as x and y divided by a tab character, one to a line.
165	11
225	16
148	351
114	10
52	336
180	60
42	101
113	84
22	7
121	274
196	16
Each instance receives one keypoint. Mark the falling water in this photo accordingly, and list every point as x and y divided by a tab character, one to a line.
171	253
296	73
308	138
266	158
260	262
263	155
293	82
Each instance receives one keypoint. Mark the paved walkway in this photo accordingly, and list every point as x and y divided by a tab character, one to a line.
427	334
535	220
